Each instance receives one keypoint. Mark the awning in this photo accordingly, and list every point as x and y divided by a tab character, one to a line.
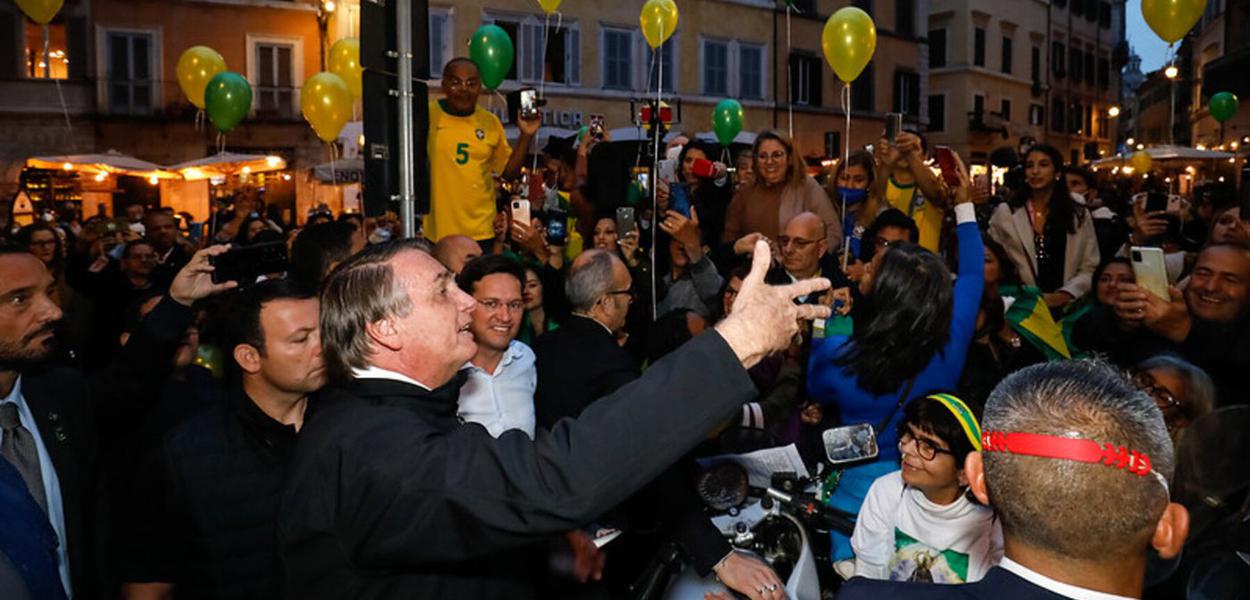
1165	153
227	164
111	162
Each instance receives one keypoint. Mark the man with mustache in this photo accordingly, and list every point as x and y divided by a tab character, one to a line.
1208	320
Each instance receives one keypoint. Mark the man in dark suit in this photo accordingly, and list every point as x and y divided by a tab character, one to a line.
390	496
1079	511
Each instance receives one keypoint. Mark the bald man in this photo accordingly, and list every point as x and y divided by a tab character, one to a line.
455	251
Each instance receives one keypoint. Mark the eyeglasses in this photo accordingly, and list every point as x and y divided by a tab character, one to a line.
925	448
630	293
774	157
493	305
1161	395
799	243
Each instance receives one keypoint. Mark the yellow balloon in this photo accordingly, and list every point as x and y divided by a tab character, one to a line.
197	66
659	21
1172	19
345	62
549	6
849	39
1140	161
327	104
40	11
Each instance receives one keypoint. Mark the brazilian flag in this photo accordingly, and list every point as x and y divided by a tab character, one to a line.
1030	317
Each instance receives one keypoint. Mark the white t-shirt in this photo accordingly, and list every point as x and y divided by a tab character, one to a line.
901	536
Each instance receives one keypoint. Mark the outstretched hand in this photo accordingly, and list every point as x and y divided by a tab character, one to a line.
195	281
765	318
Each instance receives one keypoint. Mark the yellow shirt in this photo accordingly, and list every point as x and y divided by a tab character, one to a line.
464	152
928	217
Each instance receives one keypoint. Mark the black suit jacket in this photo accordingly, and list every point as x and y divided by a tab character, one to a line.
391	497
59	400
577	364
998	584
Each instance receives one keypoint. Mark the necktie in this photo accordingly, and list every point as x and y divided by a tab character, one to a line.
18	447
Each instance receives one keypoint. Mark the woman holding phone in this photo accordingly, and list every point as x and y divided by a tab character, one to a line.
708	187
1048	236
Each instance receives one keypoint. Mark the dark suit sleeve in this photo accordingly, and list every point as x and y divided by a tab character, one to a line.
476	495
682	511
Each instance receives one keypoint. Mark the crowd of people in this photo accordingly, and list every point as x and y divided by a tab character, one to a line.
463	410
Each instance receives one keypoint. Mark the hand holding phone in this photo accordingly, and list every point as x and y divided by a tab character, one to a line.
946	162
520	210
245	264
893	126
1150	270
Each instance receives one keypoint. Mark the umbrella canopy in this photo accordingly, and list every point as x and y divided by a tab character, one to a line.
1168	153
341	172
743	137
111	162
227	164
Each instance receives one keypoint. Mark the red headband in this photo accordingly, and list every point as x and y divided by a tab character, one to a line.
1077	449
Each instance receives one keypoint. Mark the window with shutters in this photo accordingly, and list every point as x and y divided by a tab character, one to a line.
1104	73
1004	109
654	67
442	31
715	68
864	5
1074	64
53	64
129	72
937	48
558	62
1090	69
1057	52
751	71
1037	114
937	112
978	106
618	59
275	82
1104	15
907	93
806	78
1056	115
1035	64
905	17
862	95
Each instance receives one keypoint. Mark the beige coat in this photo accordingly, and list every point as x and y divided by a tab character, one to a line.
1011	229
754	210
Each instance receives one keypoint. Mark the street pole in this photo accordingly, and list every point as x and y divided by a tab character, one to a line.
1172	115
407	188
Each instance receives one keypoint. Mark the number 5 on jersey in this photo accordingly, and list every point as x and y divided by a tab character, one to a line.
462	153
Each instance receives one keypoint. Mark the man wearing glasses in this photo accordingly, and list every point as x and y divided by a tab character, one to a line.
499	391
467	146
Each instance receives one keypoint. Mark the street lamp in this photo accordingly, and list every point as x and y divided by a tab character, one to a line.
1171	72
1113	111
1129	142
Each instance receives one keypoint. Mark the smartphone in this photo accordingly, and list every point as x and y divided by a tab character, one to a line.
679	199
893	126
535	187
520	211
245	264
557	227
1150	270
1156	202
666	169
625	222
643	177
529	103
195	233
703	168
946	162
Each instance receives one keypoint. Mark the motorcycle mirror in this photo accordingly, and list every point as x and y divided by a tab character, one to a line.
850	444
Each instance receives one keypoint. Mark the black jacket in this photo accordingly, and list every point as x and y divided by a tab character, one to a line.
391	497
577	364
202	515
59	400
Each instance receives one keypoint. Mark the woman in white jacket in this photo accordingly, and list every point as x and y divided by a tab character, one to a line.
1046	233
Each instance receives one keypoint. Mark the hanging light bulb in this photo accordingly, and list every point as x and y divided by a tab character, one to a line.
153	180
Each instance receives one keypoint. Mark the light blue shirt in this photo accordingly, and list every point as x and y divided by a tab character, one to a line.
51	485
505	399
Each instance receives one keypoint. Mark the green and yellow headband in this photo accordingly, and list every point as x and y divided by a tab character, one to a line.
962	414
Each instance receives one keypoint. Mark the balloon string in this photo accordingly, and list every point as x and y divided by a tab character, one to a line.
789	101
655	184
846	155
334	180
47	71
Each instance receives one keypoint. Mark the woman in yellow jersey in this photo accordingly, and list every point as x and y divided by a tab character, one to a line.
907	183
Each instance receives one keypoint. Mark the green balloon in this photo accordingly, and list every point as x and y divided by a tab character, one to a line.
227	99
491	49
1223	106
727	120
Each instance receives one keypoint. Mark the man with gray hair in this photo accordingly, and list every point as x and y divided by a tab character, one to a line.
1076	461
389	496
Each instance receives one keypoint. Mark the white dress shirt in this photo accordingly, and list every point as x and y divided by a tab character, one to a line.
51	484
1058	587
504	399
372	372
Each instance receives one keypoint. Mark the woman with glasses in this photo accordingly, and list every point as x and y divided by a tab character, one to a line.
910	335
919	523
781	189
1182	391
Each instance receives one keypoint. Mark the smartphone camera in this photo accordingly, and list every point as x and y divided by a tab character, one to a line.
1136	256
530	104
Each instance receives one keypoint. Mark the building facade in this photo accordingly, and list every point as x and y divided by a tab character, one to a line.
1221	58
1003	73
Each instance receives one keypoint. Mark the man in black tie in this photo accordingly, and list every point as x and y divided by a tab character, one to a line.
1076	461
391	497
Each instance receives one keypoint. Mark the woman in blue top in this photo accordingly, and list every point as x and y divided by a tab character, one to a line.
911	334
